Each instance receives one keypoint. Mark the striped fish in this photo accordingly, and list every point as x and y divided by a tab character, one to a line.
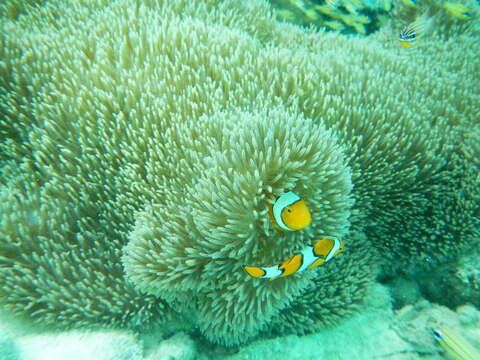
455	345
412	33
319	252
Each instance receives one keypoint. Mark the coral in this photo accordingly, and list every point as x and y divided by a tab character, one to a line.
404	291
238	153
64	217
443	220
13	9
141	143
414	324
454	284
57	259
356	338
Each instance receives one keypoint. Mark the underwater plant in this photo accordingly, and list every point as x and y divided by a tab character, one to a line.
143	143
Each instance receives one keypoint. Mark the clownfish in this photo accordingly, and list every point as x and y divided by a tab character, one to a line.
319	252
289	212
455	345
412	33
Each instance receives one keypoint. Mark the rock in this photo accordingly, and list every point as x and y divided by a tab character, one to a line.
368	335
404	291
80	345
414	325
8	346
178	347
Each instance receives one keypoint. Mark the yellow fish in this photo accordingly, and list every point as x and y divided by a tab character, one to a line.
319	252
289	212
412	33
410	3
458	10
454	345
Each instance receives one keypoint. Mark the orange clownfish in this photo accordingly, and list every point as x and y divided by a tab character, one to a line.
313	255
289	212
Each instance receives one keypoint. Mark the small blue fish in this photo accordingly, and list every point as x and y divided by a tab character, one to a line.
412	33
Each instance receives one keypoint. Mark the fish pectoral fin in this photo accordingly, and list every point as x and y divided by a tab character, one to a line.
284	264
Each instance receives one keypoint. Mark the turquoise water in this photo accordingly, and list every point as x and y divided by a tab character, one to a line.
239	180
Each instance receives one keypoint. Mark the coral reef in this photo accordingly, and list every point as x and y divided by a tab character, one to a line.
404	291
141	143
405	334
278	150
377	332
430	229
414	324
453	284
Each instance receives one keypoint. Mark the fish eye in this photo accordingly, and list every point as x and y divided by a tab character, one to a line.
289	210
437	335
